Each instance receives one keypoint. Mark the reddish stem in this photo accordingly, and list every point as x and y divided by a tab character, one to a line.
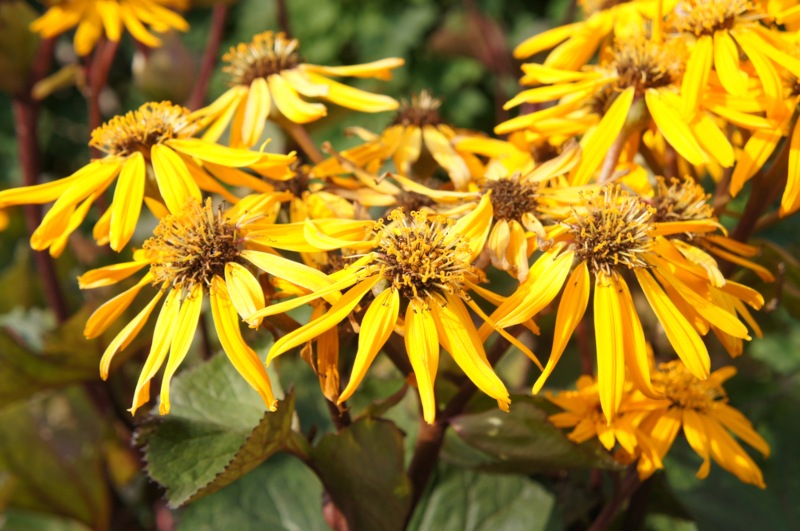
283	17
219	15
97	76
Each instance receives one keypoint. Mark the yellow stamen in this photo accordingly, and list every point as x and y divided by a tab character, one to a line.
268	53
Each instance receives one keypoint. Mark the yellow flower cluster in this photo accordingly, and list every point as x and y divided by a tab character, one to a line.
596	194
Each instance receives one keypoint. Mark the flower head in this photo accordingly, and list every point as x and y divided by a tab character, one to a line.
152	155
103	17
420	266
194	255
267	78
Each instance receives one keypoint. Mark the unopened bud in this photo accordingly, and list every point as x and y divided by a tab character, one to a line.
165	73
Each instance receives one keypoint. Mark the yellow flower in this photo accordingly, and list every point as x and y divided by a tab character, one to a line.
610	234
107	17
421	266
267	80
418	142
193	255
638	82
153	157
582	412
575	44
701	409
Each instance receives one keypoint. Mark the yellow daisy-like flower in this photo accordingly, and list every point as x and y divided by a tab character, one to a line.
418	142
419	267
267	78
575	44
95	18
151	154
701	408
194	255
582	412
612	233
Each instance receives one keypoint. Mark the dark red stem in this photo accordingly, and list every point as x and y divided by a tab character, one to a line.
219	15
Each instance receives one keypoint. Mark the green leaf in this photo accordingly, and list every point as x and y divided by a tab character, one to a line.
281	494
522	441
465	500
216	432
52	448
362	469
19	520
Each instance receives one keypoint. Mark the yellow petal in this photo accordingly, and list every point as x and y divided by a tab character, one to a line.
444	154
596	143
294	272
694	429
545	40
353	98
108	275
739	425
111	19
570	312
164	331
610	345
380	69
110	311
475	226
422	346
127	202
726	63
635	348
408	149
335	315
174	180
136	28
244	290
731	456
458	336
127	334
790	201
713	140
674	129
88	32
291	105
682	336
256	111
243	358
210	152
376	328
695	78
188	317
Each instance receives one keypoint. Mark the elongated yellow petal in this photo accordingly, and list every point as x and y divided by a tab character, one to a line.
335	315
596	143
112	23
545	40
127	202
713	140
422	346
731	456
380	69
736	422
610	345
726	64
164	331
108	275
353	98
127	334
188	317
290	104
570	312
409	147
244	290
47	192
790	201
554	92
703	259
281	307
174	180
458	336
694	428
755	154
294	272
243	358
695	78
475	226
215	153
674	129
256	111
110	311
89	31
682	336
136	28
439	146
320	240
219	114
376	328
636	358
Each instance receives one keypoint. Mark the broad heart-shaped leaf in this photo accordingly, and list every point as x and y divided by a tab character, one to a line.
51	446
362	469
466	500
281	494
521	441
217	430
